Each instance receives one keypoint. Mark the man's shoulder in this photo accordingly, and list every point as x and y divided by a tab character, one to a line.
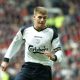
55	31
23	28
53	28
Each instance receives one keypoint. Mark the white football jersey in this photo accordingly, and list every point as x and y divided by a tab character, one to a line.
35	43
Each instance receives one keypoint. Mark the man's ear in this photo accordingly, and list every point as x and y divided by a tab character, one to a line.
33	17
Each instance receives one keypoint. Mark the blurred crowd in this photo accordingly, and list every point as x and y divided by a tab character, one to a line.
63	14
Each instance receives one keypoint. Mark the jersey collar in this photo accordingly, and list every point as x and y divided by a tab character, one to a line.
39	29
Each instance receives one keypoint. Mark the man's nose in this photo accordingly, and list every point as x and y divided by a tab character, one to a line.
42	19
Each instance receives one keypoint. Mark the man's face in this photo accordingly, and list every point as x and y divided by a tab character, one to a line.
40	20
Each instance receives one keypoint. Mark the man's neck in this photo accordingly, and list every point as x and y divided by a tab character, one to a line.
39	29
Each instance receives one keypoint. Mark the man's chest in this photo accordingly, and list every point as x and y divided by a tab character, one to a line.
38	38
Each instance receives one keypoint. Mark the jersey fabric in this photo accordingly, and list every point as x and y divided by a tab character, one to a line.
35	43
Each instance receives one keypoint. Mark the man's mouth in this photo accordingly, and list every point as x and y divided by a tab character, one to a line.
41	23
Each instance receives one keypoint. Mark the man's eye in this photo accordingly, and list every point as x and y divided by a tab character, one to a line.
44	17
39	17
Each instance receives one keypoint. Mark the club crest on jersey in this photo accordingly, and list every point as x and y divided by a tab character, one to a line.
37	41
34	50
